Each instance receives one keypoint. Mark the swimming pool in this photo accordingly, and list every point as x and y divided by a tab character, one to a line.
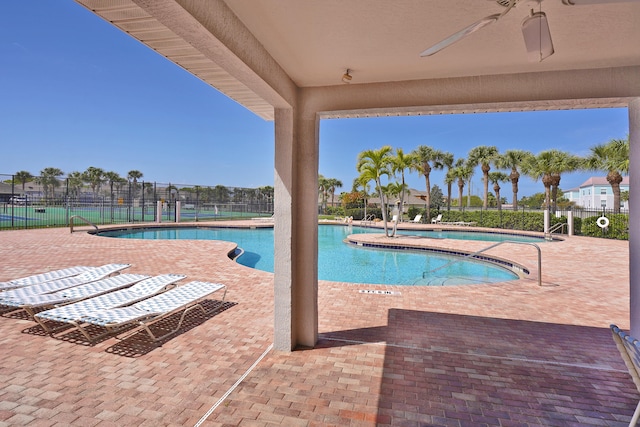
365	265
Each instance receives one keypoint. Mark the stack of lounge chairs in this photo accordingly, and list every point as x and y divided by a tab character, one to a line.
83	297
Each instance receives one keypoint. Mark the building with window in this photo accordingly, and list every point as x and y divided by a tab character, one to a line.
596	193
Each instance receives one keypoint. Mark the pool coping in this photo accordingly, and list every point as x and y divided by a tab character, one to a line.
395	243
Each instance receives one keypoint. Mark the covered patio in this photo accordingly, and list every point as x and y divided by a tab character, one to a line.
286	62
505	354
509	354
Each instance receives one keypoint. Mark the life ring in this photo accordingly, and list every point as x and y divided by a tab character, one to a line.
603	222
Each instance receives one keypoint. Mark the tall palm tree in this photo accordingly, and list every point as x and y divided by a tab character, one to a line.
424	156
23	177
112	178
364	184
445	160
133	176
463	172
49	180
372	166
75	183
399	164
612	157
94	177
484	156
563	162
496	178
512	159
333	184
323	188
541	166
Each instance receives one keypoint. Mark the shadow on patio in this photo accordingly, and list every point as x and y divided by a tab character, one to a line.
433	369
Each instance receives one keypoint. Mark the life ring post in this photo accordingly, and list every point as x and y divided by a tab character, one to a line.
602	222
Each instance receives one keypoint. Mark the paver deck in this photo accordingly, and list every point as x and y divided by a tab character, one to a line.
505	354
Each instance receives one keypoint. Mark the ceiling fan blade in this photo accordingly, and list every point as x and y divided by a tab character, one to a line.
461	34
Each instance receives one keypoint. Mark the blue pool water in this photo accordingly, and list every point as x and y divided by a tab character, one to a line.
341	262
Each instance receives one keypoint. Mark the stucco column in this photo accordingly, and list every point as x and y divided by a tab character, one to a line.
634	215
296	230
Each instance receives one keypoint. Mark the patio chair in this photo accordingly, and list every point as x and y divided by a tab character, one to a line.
30	303
629	348
72	314
437	219
43	277
418	218
147	312
88	276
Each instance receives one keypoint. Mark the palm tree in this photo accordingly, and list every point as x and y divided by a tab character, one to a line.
512	159
445	160
372	166
360	183
424	156
333	184
75	182
23	177
112	178
541	166
612	157
49	180
496	178
133	176
563	162
463	172
399	164
94	177
323	188
484	156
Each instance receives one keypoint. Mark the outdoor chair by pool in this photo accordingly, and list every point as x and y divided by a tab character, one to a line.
150	311
72	314
43	277
629	348
31	303
437	219
417	219
88	276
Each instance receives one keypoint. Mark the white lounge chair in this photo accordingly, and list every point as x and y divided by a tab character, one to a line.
437	219
30	303
418	218
88	276
73	314
147	312
43	277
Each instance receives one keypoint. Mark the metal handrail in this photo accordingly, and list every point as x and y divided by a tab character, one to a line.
560	225
368	219
491	247
83	219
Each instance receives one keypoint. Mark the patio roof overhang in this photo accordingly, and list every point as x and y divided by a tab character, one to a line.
284	61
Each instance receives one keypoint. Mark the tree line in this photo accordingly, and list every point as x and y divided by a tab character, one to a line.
51	178
386	168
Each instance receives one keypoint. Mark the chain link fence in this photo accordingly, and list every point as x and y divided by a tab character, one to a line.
52	201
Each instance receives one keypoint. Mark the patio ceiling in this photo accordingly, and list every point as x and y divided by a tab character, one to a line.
232	44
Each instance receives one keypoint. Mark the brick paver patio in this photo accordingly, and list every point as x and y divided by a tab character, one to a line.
506	354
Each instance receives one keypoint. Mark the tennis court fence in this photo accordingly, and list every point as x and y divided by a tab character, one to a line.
51	202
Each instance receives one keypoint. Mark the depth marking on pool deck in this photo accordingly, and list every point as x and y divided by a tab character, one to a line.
378	292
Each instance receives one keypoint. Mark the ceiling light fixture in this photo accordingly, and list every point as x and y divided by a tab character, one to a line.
346	77
537	37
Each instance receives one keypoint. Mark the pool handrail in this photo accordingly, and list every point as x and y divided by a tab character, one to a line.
83	219
493	246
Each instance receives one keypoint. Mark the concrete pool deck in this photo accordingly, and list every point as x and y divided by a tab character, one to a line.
508	354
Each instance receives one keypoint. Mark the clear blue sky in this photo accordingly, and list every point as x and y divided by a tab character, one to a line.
76	92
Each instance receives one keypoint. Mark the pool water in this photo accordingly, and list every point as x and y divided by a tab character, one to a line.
341	262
